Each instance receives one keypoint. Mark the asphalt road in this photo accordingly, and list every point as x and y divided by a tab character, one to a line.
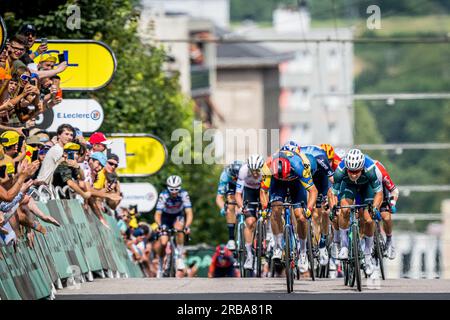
254	289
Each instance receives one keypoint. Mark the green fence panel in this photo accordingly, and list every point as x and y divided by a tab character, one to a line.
88	241
202	256
45	257
72	239
19	274
54	241
40	282
8	289
95	225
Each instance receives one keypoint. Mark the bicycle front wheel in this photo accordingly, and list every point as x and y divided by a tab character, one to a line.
379	251
356	261
288	259
242	250
310	250
259	247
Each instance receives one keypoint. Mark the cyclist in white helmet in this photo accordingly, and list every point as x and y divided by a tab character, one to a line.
248	189
173	203
356	176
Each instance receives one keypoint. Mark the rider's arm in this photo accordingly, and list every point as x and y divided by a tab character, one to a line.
220	200
187	209
158	217
189	217
312	197
264	196
377	188
240	188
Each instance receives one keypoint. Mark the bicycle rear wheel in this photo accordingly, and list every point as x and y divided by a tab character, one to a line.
379	251
356	261
310	250
287	260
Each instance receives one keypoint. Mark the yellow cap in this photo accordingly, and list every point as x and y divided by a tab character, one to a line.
72	146
10	138
47	57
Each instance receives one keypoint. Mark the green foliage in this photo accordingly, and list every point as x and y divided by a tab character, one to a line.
141	98
261	10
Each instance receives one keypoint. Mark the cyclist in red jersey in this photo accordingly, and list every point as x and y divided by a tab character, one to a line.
390	197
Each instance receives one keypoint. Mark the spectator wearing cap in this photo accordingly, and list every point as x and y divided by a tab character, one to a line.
15	50
10	143
65	134
107	180
99	142
46	67
32	148
29	31
68	170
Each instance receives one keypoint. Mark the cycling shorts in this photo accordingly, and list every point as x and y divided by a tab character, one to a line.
279	190
251	195
224	272
322	183
361	193
169	219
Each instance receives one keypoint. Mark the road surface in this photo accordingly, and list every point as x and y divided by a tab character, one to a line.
254	289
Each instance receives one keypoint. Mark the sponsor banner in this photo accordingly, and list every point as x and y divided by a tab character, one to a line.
84	114
144	195
91	64
144	154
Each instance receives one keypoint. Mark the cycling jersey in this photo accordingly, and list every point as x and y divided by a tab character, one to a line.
384	177
318	159
300	168
173	205
227	184
365	186
368	176
335	162
246	179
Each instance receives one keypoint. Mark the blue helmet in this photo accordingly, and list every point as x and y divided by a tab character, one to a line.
233	168
290	146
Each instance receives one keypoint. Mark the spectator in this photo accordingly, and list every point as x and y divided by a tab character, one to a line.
107	180
68	172
99	142
65	135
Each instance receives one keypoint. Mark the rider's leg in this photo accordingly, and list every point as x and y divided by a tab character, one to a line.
344	222
231	217
387	224
277	194
250	223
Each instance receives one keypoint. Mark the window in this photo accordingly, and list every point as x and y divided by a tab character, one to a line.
302	133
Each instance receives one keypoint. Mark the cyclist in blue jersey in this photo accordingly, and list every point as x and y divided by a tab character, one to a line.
356	177
291	173
173	204
226	191
322	174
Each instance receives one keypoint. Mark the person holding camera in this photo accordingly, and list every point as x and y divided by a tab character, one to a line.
68	172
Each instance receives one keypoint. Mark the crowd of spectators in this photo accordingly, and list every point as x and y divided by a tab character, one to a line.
66	163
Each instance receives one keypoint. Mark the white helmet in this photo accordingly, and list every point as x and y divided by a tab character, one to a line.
255	162
173	182
290	146
354	160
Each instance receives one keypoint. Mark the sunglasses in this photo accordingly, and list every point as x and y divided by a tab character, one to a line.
113	164
354	171
17	49
174	190
25	77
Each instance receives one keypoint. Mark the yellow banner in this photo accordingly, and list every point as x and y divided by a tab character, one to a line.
91	64
2	34
145	155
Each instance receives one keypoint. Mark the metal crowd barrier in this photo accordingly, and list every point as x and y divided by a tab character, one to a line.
69	254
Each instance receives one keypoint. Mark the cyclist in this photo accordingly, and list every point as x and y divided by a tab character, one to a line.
356	176
390	198
322	174
222	264
248	190
333	157
291	172
227	188
173	202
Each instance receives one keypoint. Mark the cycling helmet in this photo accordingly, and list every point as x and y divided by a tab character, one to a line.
173	183
281	168
233	168
329	150
255	162
354	160
290	146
